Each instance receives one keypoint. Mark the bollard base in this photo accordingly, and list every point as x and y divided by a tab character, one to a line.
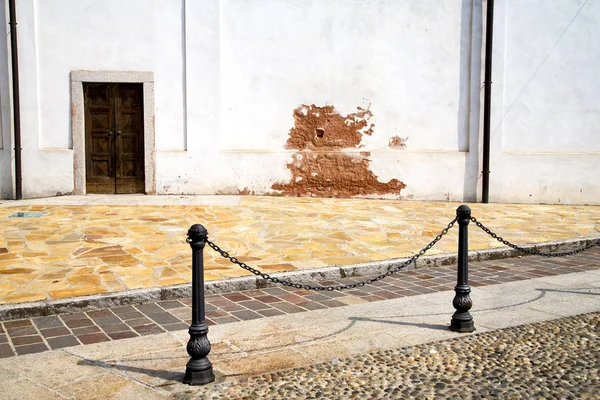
462	326
198	377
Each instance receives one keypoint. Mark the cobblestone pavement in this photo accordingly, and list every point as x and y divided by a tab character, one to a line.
34	335
77	250
556	359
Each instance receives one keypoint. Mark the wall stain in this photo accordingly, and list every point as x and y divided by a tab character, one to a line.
321	168
396	142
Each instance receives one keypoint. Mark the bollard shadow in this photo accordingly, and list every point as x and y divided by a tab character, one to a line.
170	377
437	327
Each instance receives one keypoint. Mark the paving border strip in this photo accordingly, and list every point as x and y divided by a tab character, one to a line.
138	296
38	334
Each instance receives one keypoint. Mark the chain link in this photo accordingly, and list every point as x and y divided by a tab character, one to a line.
529	251
285	282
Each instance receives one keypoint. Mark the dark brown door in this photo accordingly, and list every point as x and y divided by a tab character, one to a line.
114	138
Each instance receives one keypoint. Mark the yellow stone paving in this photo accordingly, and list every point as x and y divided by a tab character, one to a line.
78	250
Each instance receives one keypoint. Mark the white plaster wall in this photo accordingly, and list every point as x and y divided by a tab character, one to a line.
229	73
58	36
5	113
251	63
546	116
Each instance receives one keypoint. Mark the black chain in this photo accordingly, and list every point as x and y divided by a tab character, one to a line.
529	251
332	288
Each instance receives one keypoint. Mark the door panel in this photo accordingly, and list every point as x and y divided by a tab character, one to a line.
130	134
99	157
114	138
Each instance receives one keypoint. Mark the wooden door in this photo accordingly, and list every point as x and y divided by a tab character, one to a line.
114	138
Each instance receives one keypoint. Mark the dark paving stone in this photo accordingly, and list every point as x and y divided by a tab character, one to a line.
386	294
74	316
170	304
85	330
17	323
150	308
62	341
21	331
131	315
186	300
123	310
333	303
268	299
3	338
100	314
122	335
22	340
93	338
317	297
104	321
370	298
149	329
292	298
270	313
246	315
232	307
164	318
254	305
216	314
115	328
176	327
275	291
52	332
333	294
313	306
79	323
48	322
236	297
225	320
139	321
31	348
6	351
288	308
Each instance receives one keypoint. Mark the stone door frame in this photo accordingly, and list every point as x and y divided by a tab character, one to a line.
78	122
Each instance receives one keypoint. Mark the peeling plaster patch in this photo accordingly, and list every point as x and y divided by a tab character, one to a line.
396	142
321	167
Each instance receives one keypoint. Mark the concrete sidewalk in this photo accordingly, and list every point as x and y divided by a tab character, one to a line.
95	245
151	367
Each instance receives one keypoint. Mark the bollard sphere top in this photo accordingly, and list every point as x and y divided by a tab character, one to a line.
197	233
463	212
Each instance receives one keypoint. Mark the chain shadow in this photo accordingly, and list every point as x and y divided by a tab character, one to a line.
573	291
438	327
538	297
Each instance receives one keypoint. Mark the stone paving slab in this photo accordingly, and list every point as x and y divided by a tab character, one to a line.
32	335
106	244
152	366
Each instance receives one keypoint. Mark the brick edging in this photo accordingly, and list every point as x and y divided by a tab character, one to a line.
87	303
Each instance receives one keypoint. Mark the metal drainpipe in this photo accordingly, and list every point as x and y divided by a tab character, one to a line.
487	101
16	99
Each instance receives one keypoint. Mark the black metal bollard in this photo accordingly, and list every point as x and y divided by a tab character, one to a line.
198	370
462	320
